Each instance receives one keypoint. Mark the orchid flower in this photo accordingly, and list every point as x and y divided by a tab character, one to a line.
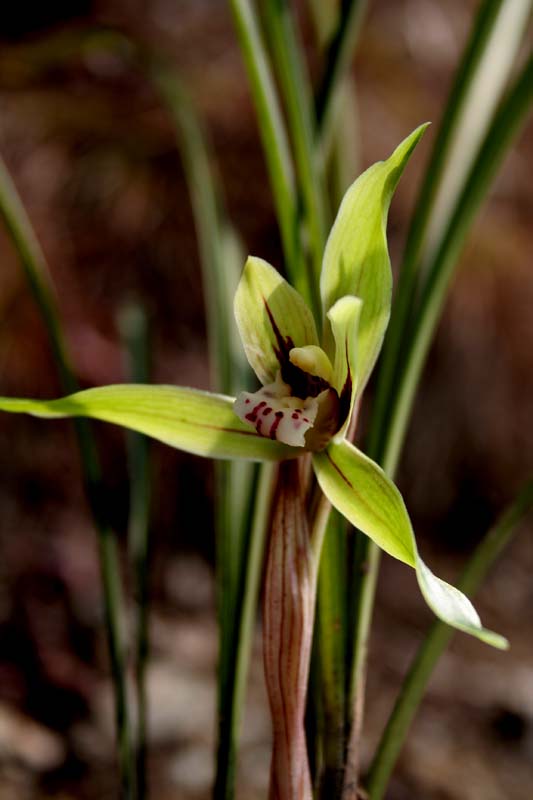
310	386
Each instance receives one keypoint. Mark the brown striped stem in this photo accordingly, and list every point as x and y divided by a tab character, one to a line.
288	611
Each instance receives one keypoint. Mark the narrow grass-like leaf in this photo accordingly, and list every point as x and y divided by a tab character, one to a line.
37	274
507	122
481	78
238	638
331	632
296	90
338	54
189	419
478	85
216	241
360	490
133	325
435	643
356	260
274	137
272	318
238	555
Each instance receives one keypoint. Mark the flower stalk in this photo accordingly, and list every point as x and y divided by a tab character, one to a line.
288	614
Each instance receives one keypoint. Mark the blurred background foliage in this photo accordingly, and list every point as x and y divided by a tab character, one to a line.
93	154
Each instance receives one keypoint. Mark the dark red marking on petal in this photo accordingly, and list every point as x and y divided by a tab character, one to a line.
252	415
275	425
295	414
247	400
266	411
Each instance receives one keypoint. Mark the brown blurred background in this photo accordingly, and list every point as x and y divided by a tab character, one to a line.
93	154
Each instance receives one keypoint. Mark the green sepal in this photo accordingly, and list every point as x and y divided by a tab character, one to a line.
360	490
272	318
453	607
188	419
356	259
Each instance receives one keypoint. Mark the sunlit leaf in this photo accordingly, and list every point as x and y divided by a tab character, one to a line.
361	491
191	420
272	318
356	259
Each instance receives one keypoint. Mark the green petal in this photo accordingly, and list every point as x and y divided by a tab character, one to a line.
344	320
356	259
272	318
360	490
189	419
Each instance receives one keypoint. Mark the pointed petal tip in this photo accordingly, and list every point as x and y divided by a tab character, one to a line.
495	640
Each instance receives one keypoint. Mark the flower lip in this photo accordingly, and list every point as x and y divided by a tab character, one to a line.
276	414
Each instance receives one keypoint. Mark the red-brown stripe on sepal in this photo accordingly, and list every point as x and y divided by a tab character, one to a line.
288	608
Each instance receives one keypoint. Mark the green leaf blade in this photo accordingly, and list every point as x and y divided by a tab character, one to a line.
361	490
189	419
356	259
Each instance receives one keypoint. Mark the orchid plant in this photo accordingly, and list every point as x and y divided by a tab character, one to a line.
311	389
313	373
313	363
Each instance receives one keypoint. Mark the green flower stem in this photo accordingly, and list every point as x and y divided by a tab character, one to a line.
274	138
414	686
338	55
37	274
133	325
296	90
506	123
476	68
